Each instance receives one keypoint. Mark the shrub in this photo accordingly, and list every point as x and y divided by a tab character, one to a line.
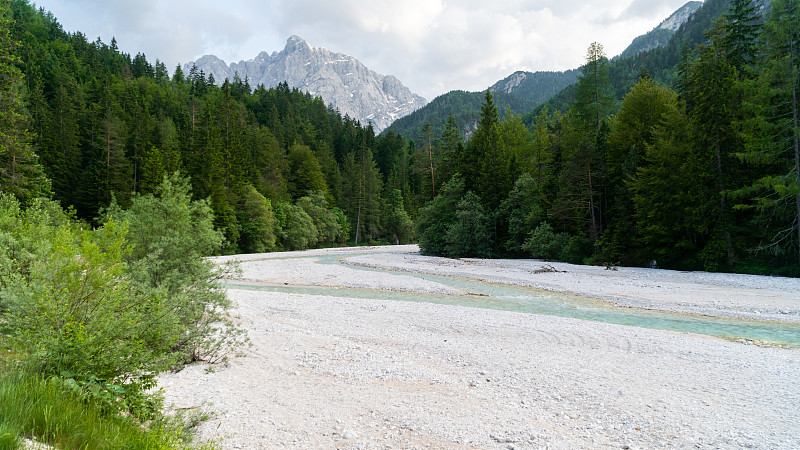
544	243
69	303
169	236
257	222
469	234
298	231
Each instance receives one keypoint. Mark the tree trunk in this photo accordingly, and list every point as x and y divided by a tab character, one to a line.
430	158
360	200
595	233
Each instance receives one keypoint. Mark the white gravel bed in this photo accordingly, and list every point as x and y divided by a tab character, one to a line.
328	372
714	294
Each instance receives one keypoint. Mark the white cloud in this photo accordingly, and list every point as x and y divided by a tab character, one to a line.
432	46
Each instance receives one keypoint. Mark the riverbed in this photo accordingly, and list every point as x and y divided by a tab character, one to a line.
385	348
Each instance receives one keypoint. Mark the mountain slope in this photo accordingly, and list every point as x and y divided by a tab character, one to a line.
524	91
661	62
340	80
520	92
660	35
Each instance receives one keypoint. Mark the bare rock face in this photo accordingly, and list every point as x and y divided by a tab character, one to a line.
340	80
680	16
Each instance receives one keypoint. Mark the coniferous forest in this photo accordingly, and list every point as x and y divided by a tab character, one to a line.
701	174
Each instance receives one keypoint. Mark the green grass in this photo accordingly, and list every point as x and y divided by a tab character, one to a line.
9	437
49	412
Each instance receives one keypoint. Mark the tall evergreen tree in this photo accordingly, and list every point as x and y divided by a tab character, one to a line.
20	172
641	114
742	27
772	134
709	87
484	165
593	98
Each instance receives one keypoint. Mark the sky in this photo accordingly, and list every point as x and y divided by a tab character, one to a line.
431	46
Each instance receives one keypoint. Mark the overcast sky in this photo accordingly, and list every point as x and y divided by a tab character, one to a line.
432	46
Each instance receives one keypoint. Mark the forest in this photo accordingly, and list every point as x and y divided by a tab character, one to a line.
699	175
702	175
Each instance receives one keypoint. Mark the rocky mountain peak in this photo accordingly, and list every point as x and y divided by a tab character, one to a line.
341	80
660	35
508	84
296	44
680	16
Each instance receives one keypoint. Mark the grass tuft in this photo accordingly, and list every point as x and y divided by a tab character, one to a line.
53	414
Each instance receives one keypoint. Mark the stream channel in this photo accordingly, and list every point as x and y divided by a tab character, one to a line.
529	300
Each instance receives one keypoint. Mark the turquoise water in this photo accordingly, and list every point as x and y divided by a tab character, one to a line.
528	300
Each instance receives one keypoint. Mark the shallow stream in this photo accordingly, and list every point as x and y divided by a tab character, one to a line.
534	301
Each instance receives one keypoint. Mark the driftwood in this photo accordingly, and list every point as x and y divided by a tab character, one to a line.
547	268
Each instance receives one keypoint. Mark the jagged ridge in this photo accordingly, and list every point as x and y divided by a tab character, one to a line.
340	80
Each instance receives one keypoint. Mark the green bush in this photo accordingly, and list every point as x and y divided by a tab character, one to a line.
437	216
169	236
544	243
396	221
297	229
325	220
257	222
469	234
68	301
108	309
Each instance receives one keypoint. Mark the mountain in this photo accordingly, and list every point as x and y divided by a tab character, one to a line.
340	80
661	35
660	62
520	92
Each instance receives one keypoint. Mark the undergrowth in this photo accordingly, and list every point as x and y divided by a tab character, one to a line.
50	412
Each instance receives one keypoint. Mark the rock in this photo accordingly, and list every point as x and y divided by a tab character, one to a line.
348	434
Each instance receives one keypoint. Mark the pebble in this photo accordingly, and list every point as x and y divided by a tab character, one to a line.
348	434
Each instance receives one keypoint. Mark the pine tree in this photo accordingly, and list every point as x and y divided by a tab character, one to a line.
709	86
741	33
20	172
593	99
772	134
452	144
670	198
484	165
641	114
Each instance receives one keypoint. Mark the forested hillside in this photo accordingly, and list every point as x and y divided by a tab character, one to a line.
706	176
625	170
518	93
660	62
282	170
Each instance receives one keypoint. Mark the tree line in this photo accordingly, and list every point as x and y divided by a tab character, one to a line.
703	175
281	169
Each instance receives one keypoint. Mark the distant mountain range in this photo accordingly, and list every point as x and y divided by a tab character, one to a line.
340	80
521	92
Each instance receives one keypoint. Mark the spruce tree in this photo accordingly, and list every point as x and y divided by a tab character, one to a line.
20	172
593	99
772	135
